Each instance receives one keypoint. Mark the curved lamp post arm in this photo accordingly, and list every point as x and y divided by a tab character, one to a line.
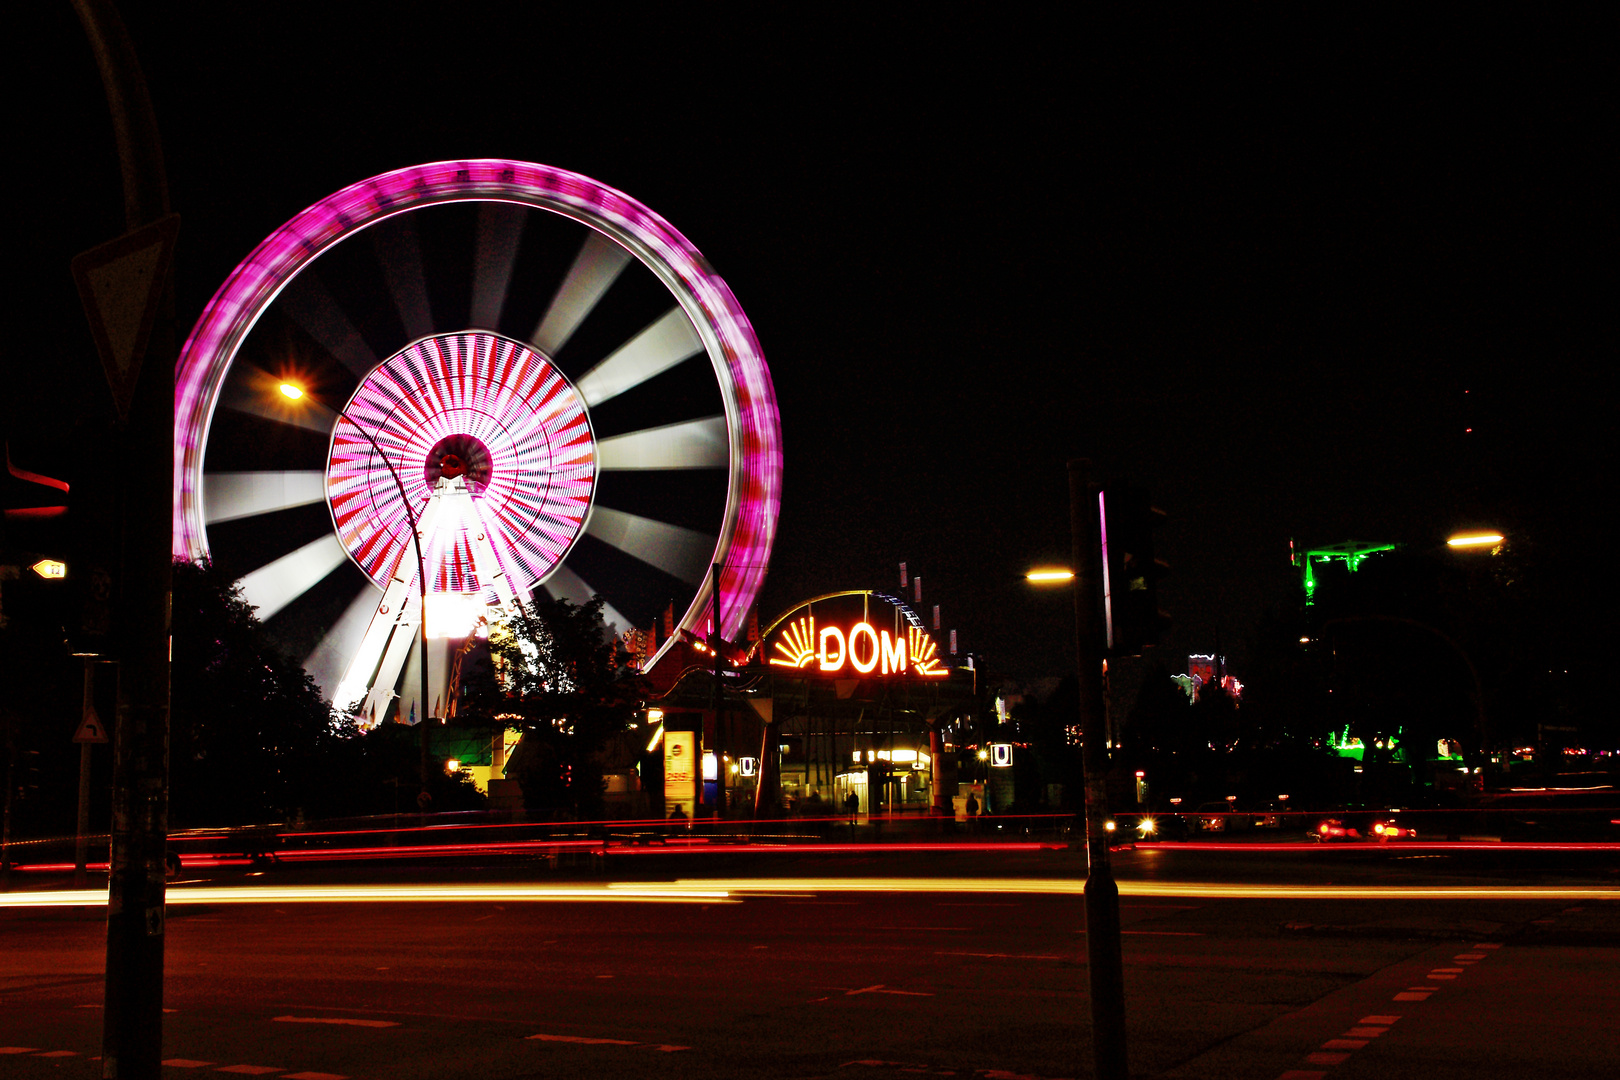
421	577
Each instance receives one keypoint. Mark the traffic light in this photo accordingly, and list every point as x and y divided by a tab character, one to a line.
1131	572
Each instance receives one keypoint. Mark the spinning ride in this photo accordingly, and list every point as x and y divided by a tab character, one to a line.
572	401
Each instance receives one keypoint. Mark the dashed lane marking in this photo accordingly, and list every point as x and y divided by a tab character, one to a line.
58	1053
1384	1021
248	1070
1408	995
1326	1057
187	1063
347	1021
583	1040
1344	1044
19	1049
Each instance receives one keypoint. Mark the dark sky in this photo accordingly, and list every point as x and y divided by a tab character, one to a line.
1270	267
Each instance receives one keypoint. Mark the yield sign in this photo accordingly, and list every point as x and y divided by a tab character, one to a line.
91	729
120	283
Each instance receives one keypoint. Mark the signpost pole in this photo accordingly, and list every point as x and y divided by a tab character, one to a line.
132	1020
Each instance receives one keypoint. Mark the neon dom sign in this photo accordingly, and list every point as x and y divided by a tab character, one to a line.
850	644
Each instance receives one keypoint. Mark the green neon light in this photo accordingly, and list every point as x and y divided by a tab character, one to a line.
1351	553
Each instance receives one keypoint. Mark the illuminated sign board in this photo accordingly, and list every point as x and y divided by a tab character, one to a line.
680	773
857	634
50	568
1001	755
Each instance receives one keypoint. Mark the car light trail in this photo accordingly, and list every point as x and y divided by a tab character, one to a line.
1197	889
385	894
732	891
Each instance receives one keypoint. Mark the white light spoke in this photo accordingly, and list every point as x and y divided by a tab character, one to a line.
663	344
233	495
399	250
564	584
595	268
314	309
330	661
275	585
682	553
500	227
694	444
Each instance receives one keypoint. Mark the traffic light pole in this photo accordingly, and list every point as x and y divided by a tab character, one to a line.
1104	959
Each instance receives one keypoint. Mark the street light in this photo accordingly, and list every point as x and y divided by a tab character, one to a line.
1105	963
293	392
1474	540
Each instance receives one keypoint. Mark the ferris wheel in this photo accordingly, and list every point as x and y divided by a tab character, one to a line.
535	373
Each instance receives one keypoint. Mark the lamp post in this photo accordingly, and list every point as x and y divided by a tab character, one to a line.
1104	958
294	392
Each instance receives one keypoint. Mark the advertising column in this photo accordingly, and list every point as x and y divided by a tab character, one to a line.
680	774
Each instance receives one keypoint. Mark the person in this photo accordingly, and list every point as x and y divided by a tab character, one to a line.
852	804
972	808
678	814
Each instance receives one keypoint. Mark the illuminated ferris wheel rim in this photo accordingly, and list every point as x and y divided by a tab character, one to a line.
752	422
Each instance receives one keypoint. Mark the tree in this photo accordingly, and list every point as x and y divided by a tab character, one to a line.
250	735
556	672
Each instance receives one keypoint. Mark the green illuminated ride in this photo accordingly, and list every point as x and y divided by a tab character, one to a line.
1352	553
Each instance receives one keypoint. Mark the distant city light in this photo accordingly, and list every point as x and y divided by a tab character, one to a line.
291	390
1055	574
1475	540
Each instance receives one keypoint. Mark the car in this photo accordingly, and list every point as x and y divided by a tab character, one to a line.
1222	816
1331	830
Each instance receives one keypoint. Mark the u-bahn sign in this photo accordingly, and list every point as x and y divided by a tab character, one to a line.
853	635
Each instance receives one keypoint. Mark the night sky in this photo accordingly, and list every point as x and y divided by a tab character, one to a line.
1272	269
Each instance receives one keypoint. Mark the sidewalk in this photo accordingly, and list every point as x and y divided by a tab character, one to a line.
1541	1004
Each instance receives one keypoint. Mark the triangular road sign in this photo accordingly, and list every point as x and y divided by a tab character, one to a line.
91	729
120	283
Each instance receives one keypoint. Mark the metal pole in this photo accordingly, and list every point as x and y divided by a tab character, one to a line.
80	877
132	1020
714	704
1104	959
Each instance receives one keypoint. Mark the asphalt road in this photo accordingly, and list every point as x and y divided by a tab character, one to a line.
963	966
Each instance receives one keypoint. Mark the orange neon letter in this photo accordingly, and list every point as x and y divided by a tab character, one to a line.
894	654
854	657
829	663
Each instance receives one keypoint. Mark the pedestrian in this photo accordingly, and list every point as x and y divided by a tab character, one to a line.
852	804
972	808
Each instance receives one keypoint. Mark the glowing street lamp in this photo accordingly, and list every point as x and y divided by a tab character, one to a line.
291	391
1475	540
1050	575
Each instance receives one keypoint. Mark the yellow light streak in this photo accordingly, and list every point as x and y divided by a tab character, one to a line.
698	891
382	894
1049	575
1475	539
1201	889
